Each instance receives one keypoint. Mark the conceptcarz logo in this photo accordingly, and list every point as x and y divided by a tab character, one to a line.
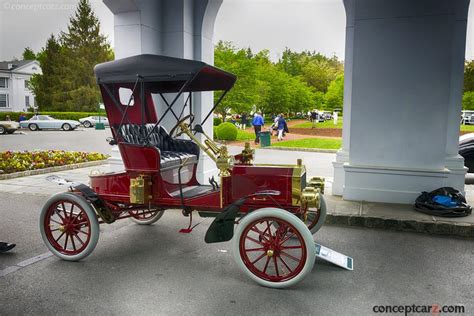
433	309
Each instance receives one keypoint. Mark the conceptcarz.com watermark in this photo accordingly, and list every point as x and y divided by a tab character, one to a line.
433	309
37	5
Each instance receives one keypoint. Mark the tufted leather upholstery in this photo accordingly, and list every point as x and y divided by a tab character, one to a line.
173	152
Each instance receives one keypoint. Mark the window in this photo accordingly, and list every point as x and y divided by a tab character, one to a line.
126	96
3	100
3	82
27	101
27	82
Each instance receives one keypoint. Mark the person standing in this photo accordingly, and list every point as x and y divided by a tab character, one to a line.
314	118
257	123
334	116
281	126
4	247
243	121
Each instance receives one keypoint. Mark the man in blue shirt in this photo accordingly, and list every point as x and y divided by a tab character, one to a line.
257	123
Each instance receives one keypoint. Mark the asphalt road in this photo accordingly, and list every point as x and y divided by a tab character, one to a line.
81	139
144	270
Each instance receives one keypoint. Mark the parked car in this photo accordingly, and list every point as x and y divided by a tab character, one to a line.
8	127
39	122
91	120
467	117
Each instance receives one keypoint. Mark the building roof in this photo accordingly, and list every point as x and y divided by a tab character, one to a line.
4	65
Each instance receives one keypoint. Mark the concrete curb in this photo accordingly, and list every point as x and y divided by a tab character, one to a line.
51	169
332	151
418	226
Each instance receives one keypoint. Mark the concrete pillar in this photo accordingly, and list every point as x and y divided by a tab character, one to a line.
402	99
176	28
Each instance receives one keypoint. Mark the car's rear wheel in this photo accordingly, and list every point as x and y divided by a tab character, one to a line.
33	127
146	216
66	127
2	130
87	124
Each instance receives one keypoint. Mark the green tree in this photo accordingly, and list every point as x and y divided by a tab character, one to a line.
82	47
46	85
335	94
468	100
469	76
28	54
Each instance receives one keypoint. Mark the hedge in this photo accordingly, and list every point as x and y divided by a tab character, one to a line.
226	131
14	116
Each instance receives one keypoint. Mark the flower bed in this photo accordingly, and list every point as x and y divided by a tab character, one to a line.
16	161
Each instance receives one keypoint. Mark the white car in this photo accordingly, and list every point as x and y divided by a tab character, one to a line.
91	120
8	127
39	122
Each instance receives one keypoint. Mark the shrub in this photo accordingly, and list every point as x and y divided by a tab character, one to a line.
214	129
15	161
217	121
226	131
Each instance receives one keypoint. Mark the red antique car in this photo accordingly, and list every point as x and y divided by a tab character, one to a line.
273	208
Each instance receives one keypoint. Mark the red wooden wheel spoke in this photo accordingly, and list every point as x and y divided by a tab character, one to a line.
77	236
287	237
255	240
284	263
289	256
255	249
72	208
270	231
276	265
60	236
60	216
73	243
65	243
259	232
266	265
53	230
291	247
55	221
64	209
259	258
83	232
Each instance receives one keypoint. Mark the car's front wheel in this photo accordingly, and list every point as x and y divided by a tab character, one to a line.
33	127
2	130
66	127
87	124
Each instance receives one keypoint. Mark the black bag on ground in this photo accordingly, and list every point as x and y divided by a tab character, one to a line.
426	203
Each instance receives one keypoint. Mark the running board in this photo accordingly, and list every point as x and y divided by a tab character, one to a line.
334	257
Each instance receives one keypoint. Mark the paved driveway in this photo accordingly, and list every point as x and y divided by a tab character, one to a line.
145	270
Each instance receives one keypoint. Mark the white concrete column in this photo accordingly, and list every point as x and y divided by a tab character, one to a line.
404	77
176	28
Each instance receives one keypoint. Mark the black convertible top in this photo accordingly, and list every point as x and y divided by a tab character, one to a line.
165	74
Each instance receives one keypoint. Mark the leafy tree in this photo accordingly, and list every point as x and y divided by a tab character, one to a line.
469	76
468	100
29	54
335	94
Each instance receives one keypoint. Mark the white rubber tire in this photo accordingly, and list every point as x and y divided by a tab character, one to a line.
150	220
295	222
88	209
322	217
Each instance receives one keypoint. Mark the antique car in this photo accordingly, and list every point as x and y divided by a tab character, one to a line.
8	127
39	122
268	211
90	121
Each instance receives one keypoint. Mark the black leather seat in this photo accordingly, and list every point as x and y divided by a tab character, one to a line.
173	152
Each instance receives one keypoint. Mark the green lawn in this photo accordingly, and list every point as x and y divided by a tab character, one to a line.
467	128
327	124
245	135
320	143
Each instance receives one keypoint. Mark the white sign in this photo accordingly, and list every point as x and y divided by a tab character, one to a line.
334	257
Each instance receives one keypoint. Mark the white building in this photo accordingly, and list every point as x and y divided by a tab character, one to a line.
14	93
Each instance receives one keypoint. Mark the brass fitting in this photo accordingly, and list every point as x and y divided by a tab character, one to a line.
224	162
247	154
317	183
310	196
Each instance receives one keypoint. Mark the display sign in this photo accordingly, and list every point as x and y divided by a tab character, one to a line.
334	257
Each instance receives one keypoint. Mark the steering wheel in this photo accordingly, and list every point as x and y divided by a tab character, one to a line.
176	130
